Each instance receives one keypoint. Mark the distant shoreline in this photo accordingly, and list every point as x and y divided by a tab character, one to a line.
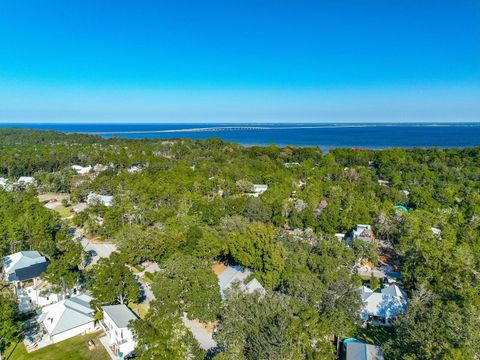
264	127
325	135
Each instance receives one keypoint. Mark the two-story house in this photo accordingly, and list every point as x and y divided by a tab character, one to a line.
115	323
23	270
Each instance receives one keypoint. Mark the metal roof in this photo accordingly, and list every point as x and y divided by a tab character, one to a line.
121	315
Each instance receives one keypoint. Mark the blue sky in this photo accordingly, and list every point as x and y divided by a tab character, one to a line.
239	61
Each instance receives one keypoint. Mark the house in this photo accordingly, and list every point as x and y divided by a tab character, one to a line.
436	231
93	198
230	275
42	293
340	236
291	165
383	182
364	233
380	308
366	269
5	184
80	170
136	167
25	181
66	319
98	168
357	350
258	190
23	270
24	266
115	323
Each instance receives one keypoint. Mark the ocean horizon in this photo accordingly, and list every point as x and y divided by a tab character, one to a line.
323	135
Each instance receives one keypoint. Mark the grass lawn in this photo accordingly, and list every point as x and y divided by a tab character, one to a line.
64	211
149	277
376	335
137	268
75	348
140	309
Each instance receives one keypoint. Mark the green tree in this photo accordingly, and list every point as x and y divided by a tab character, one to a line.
257	247
187	284
433	328
374	283
162	335
271	327
9	322
112	281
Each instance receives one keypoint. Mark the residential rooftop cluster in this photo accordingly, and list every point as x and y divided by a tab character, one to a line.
212	249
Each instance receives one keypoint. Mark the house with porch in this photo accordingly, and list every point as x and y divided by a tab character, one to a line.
363	233
381	308
62	320
22	270
119	338
25	182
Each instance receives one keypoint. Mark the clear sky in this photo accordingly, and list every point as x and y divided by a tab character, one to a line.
239	60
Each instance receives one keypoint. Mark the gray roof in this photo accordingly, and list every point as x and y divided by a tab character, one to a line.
67	314
120	314
24	265
231	274
31	272
362	351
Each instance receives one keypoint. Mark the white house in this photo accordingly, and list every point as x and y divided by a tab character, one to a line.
381	308
383	182
364	233
357	350
291	165
258	190
23	266
5	184
115	323
229	275
67	318
23	270
93	198
81	170
43	294
340	236
136	167
25	181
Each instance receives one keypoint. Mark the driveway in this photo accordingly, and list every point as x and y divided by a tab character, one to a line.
204	338
101	250
148	293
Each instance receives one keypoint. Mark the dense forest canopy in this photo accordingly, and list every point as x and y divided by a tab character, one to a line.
189	207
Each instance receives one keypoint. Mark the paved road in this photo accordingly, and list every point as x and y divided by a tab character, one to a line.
102	249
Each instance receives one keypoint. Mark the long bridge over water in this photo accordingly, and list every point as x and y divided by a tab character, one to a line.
215	128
